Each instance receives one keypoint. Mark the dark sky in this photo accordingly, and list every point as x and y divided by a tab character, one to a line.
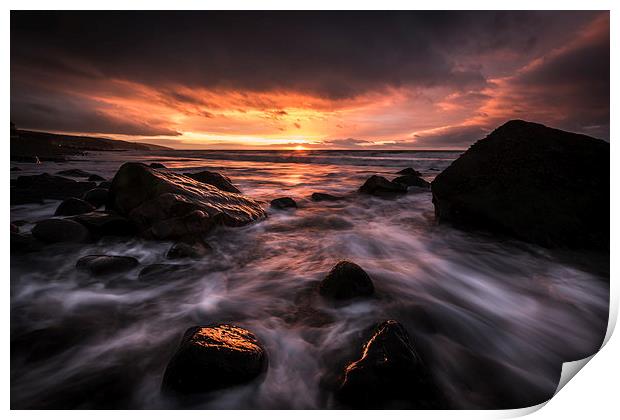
321	79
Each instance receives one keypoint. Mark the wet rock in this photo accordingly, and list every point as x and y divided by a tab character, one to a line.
73	206
100	265
76	173
105	184
157	271
104	224
166	205
15	169
389	374
97	196
59	230
317	196
381	187
532	182
195	250
215	179
214	357
283	203
346	280
409	171
96	178
157	165
36	188
412	181
22	243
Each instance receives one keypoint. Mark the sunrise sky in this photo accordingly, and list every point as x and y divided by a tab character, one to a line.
342	80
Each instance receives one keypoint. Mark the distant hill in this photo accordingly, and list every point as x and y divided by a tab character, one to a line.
29	145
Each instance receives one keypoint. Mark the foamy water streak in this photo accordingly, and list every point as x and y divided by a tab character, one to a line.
493	318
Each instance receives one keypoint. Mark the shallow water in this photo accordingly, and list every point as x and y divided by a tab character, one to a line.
493	318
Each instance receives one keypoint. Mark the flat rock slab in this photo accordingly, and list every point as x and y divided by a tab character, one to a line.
165	205
214	357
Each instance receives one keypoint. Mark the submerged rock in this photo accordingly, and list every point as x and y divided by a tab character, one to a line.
346	280
214	357
165	205
195	250
157	271
389	374
283	203
532	182
35	188
412	181
215	179
76	173
22	243
59	230
379	186
73	206
104	224
100	265
96	178
97	196
317	196
409	171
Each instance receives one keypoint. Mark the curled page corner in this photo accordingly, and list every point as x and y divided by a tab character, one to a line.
570	369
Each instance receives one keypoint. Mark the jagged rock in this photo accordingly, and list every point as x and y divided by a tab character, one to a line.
532	182
165	205
381	187
104	224
317	196
389	374
35	188
97	196
346	280
214	357
215	179
409	171
76	173
59	230
96	178
100	265
73	206
412	181
283	203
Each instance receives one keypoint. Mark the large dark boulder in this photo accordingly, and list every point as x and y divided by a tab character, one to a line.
60	230
157	165
101	265
97	196
412	181
36	188
532	182
104	224
73	206
346	280
283	203
165	205
214	357
379	186
215	179
389	374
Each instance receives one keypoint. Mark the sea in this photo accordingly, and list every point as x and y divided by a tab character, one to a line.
493	318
